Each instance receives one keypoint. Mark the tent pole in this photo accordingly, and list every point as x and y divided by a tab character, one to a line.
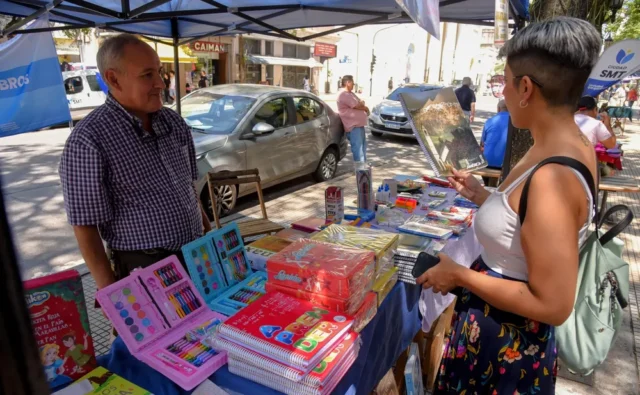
30	18
176	61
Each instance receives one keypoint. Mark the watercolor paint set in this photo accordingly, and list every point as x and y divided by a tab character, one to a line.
220	269
154	310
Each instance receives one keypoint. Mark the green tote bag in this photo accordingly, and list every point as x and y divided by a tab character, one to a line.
584	339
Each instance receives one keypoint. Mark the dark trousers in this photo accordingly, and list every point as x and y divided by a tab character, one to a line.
124	262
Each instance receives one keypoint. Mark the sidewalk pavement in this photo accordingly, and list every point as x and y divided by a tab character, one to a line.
619	373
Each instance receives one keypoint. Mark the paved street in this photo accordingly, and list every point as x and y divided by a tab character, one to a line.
44	240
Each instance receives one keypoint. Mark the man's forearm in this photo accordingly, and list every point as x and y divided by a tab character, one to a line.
473	109
94	255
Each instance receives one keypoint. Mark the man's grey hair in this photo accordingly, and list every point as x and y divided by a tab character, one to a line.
112	50
502	105
557	55
466	81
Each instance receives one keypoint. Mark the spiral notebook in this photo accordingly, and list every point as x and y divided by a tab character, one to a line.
443	131
294	332
289	387
319	376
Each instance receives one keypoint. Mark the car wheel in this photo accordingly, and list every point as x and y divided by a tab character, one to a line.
376	134
226	197
328	165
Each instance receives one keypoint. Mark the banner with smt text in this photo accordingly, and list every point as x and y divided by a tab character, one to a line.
617	62
32	95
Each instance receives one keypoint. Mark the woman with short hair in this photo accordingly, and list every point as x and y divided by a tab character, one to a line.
524	283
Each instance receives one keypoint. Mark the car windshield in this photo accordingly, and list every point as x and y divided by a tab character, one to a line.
212	113
405	89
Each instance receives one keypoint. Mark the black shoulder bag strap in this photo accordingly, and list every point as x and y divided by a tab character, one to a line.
584	171
566	161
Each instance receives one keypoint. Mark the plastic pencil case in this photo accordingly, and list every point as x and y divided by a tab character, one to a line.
218	265
366	312
322	268
349	306
383	244
240	295
153	310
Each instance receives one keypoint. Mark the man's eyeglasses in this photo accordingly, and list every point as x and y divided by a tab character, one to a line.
535	81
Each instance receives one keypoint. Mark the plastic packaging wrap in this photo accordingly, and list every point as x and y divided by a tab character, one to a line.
323	268
349	306
383	244
366	312
385	284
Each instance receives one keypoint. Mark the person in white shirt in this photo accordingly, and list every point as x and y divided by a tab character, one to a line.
596	130
172	85
619	97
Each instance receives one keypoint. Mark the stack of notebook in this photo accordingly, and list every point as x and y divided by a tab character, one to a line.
289	345
408	250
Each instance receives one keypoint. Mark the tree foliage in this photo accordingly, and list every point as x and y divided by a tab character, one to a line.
597	12
627	24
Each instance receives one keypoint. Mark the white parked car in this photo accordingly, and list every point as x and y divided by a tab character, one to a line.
83	89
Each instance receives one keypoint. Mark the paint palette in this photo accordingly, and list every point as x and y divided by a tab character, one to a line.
218	265
153	309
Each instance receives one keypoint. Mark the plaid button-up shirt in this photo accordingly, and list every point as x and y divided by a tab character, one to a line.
136	187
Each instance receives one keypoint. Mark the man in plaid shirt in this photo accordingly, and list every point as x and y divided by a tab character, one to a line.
128	169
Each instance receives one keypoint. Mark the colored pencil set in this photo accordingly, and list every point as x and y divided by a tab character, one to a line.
193	352
231	240
245	296
167	275
183	300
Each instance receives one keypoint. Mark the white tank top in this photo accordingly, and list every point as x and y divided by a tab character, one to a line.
497	228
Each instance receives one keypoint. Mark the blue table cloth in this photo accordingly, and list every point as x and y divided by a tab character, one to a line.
383	340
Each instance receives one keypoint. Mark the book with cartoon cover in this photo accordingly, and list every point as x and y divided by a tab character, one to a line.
443	131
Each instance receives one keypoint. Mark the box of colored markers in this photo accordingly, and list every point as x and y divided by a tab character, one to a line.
221	272
165	322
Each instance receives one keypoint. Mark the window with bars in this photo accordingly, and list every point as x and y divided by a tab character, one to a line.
296	51
252	47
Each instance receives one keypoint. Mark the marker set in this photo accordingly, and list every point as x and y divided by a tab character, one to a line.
220	269
167	276
153	309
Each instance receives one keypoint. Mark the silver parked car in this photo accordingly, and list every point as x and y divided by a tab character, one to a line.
388	117
284	133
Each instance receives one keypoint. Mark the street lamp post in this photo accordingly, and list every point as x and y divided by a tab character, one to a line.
373	56
357	55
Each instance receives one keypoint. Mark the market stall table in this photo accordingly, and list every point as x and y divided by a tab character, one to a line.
616	184
383	340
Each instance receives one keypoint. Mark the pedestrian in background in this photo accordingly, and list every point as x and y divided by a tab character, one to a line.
354	114
632	97
305	84
128	170
203	79
494	140
172	85
390	84
596	127
467	99
167	84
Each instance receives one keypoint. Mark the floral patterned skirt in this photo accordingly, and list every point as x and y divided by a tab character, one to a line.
490	351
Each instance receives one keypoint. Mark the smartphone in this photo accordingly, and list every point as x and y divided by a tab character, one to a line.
424	262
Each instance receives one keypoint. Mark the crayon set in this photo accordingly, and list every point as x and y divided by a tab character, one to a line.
167	275
219	267
155	310
192	351
184	300
231	240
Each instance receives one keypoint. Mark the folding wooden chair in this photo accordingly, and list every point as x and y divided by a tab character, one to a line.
252	227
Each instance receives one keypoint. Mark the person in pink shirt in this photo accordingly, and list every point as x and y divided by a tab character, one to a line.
354	114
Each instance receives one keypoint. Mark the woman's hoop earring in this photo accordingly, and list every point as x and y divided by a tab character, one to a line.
525	105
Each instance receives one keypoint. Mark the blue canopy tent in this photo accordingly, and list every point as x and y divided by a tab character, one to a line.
185	21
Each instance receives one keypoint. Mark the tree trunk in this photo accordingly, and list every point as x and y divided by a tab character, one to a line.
242	64
594	11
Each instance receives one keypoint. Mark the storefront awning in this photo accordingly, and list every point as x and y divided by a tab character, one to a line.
258	59
165	52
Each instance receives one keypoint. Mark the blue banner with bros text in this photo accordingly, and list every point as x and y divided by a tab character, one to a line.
32	94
